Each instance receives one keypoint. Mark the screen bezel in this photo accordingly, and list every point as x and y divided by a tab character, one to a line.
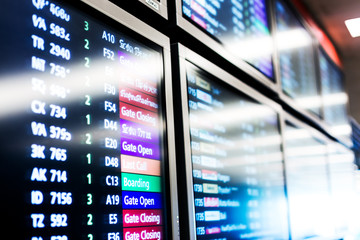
283	96
216	46
127	20
186	55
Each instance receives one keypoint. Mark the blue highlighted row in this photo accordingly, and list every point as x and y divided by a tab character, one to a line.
141	200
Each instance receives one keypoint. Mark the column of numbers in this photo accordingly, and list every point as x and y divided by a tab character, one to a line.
88	141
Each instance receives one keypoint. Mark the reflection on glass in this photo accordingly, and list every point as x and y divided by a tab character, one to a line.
236	161
334	96
307	184
81	127
296	59
242	26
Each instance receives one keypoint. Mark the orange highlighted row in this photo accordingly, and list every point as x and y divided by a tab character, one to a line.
131	164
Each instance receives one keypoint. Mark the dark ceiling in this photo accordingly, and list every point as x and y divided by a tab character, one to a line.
330	15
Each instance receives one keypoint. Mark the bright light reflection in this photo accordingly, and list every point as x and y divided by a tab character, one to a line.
309	214
296	134
335	99
261	141
309	102
15	88
292	39
254	48
342	158
260	158
306	151
342	130
231	116
254	144
327	101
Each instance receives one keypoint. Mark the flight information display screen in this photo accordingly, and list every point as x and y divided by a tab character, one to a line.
241	26
237	164
333	93
297	60
81	123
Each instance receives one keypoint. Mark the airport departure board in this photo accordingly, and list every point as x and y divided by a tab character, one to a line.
296	59
237	164
241	26
81	126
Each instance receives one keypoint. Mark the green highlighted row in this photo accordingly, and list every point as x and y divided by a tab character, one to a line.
143	183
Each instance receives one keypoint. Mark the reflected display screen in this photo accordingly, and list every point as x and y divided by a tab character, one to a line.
81	126
242	26
296	60
307	184
237	164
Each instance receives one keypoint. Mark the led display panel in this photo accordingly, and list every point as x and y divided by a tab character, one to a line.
307	181
296	60
82	126
241	26
334	96
236	162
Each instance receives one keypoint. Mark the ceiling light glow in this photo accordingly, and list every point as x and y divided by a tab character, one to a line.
353	25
